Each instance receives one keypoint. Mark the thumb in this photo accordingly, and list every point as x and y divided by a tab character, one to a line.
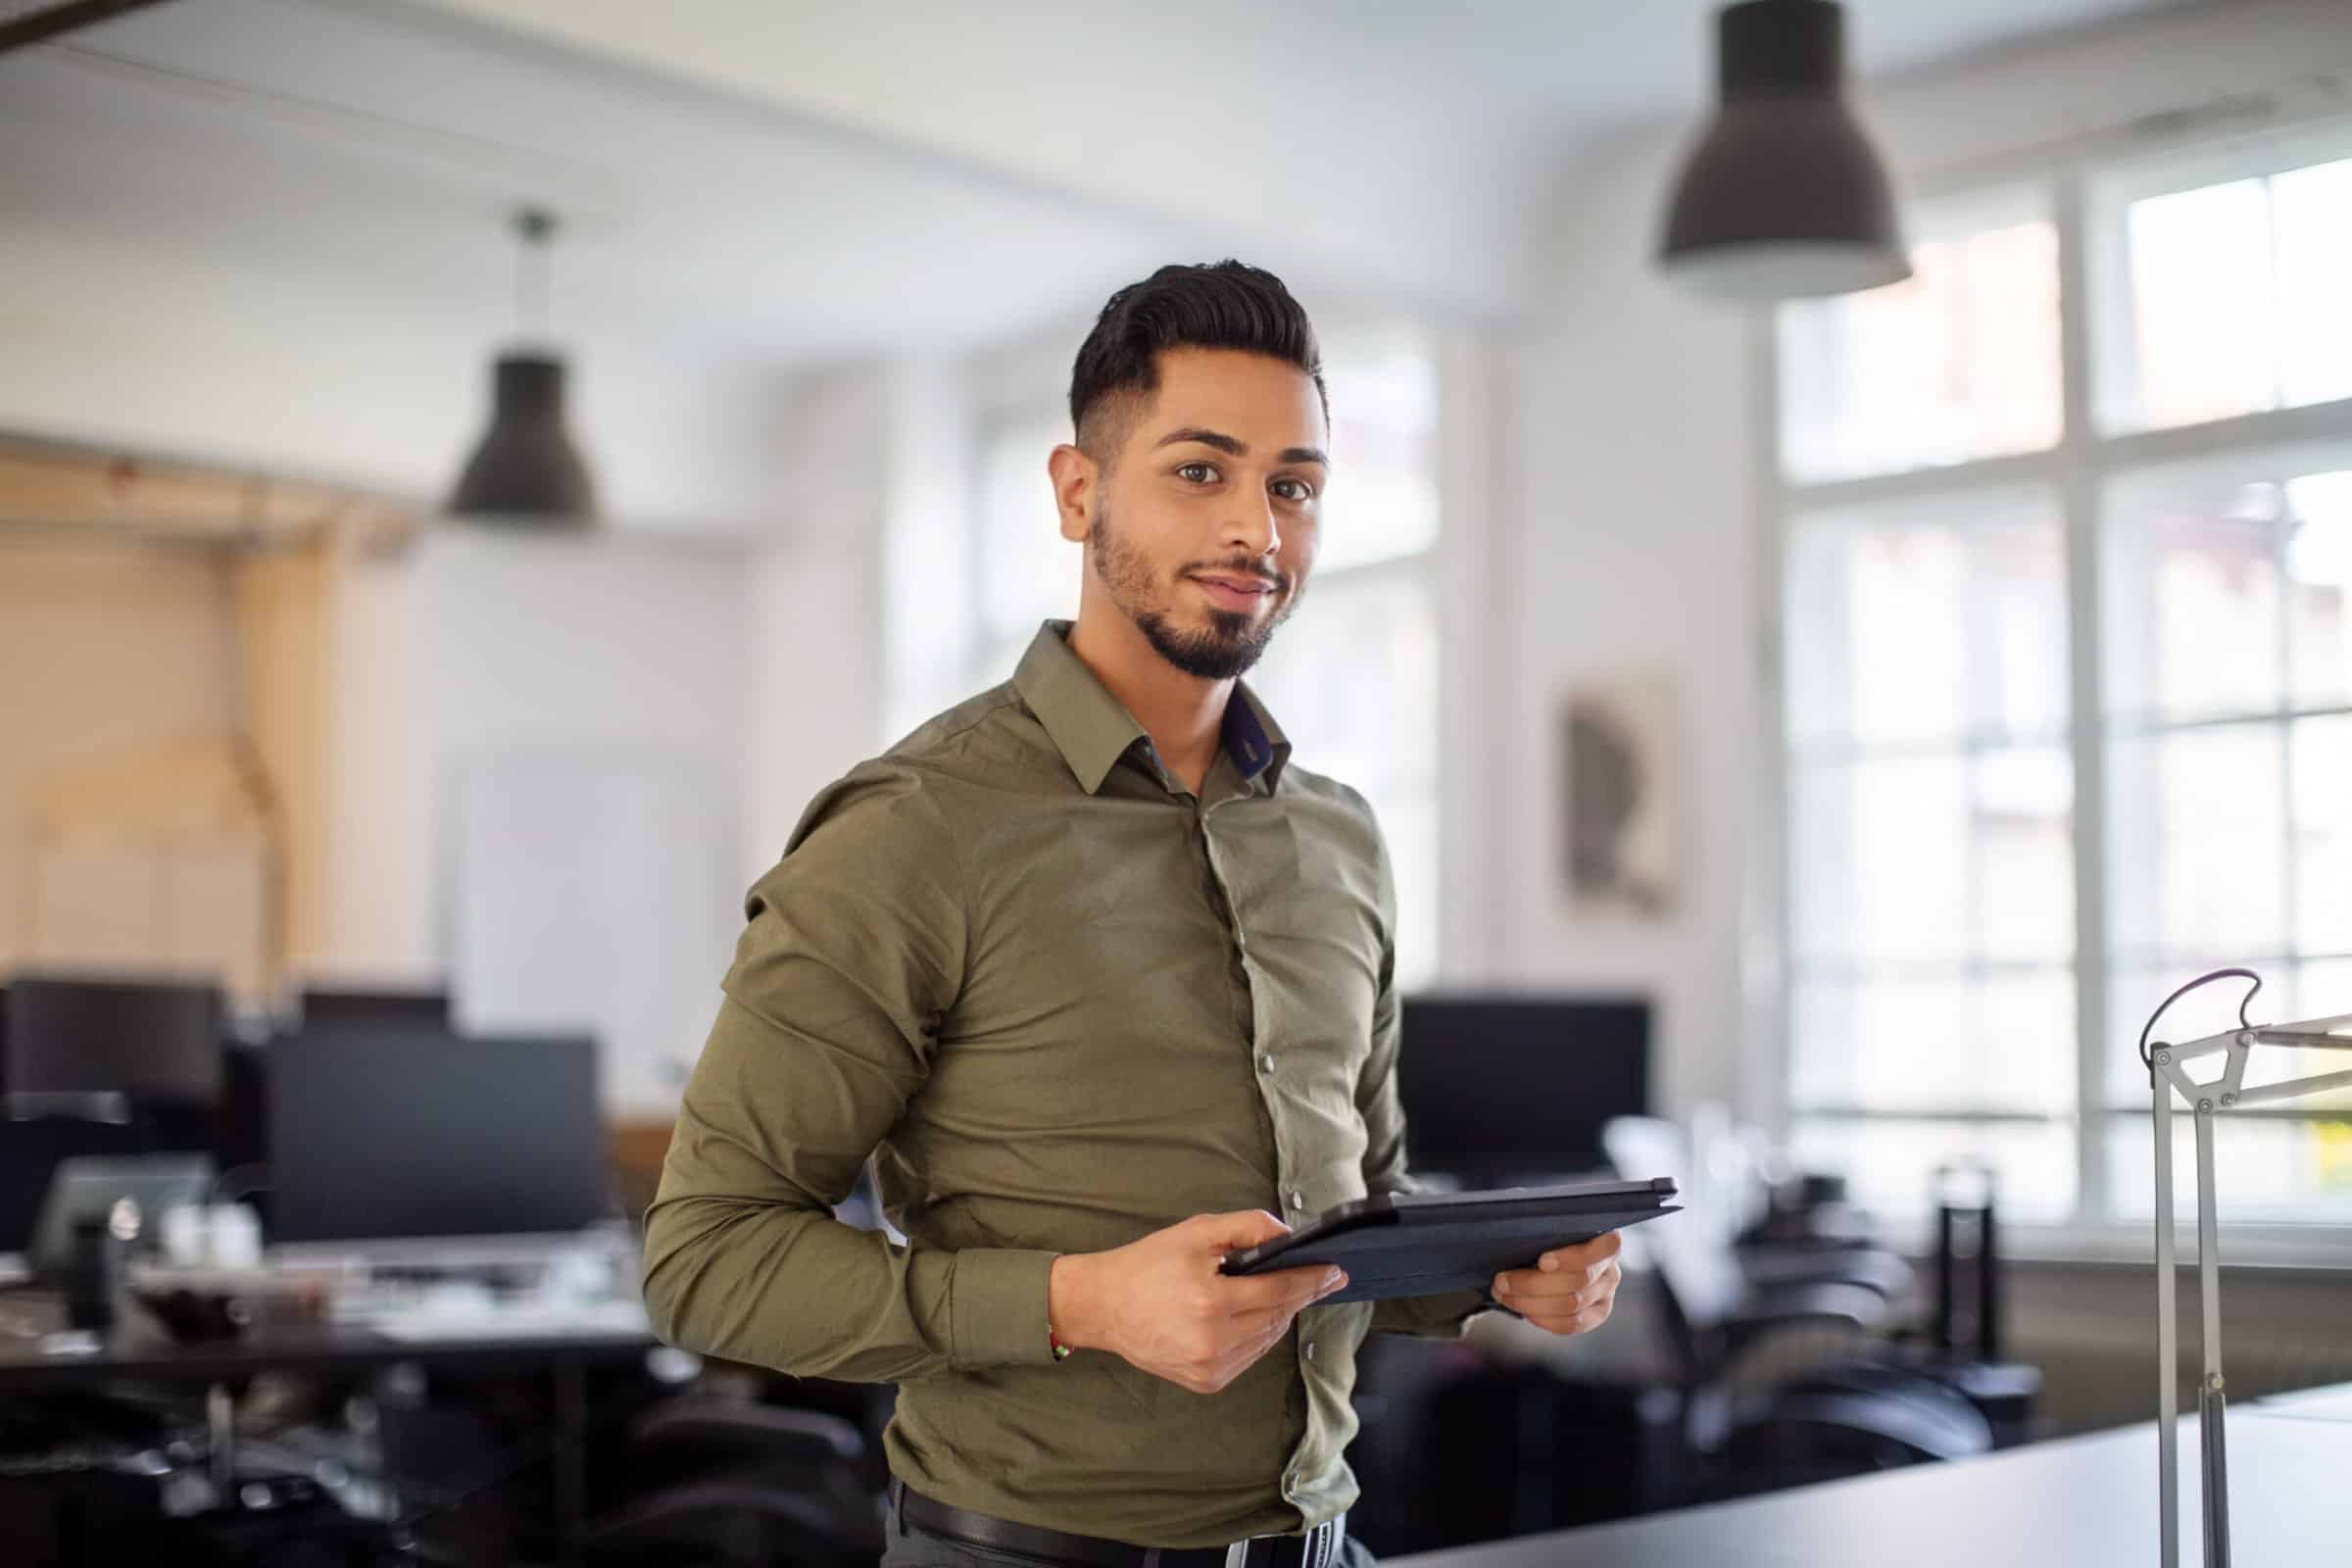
1245	1228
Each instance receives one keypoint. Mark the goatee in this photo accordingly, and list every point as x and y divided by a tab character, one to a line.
1229	646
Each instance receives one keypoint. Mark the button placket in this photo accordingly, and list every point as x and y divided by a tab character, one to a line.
1250	992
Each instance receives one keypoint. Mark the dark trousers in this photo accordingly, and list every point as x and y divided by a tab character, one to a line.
911	1548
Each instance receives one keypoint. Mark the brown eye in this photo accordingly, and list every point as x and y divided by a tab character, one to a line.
1293	490
1198	472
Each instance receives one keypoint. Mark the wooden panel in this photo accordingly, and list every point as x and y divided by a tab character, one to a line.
54	486
283	657
636	1150
40	487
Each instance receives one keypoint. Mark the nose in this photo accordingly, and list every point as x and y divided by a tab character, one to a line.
1253	530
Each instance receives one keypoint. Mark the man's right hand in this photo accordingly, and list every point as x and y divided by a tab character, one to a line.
1160	1305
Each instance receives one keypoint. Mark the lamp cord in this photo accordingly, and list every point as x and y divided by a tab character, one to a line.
2148	1056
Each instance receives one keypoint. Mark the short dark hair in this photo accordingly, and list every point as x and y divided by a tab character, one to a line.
1223	305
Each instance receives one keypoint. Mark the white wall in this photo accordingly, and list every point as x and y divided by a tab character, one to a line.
1623	434
149	343
535	773
815	695
930	513
1629	501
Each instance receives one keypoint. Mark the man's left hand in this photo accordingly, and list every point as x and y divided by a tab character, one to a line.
1570	1290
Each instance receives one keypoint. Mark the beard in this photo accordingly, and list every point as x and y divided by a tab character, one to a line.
1227	647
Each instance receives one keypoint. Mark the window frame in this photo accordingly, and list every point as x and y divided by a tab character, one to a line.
2080	184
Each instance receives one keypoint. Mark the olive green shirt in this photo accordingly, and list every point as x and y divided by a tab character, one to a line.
1062	1002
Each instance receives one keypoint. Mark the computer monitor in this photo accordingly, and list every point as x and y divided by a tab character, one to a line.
382	1134
336	1009
161	1043
1500	1090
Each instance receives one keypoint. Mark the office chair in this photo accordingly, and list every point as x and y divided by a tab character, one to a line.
720	1480
1761	1266
1854	1415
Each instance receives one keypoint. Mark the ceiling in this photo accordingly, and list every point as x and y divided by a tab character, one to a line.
784	184
1415	144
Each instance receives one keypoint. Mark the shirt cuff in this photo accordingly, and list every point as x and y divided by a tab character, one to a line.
997	1308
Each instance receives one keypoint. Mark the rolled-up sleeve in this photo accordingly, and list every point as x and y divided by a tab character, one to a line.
852	952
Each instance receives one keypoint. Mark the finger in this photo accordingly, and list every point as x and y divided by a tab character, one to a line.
1537	1282
1230	1233
1529	1285
1583	1320
1287	1289
1586	1257
1266	1319
1282	1313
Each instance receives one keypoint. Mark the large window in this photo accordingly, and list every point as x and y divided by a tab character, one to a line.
2066	673
1352	675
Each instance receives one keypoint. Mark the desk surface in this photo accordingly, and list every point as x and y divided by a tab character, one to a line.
135	1349
2062	1504
2334	1404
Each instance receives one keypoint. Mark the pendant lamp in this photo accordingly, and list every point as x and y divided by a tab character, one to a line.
1784	196
526	472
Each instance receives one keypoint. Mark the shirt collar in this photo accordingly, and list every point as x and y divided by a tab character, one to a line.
1093	729
1253	739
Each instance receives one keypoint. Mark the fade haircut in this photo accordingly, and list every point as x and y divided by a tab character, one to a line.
1224	305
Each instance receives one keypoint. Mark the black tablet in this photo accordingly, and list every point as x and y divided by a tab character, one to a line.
1422	1243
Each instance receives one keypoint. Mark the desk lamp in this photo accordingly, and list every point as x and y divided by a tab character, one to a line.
2167	1067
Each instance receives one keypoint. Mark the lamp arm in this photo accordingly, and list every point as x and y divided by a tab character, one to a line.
2210	1099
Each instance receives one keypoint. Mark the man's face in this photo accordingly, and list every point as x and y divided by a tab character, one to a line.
1203	531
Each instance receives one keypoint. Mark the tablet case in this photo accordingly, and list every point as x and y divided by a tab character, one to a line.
1424	1244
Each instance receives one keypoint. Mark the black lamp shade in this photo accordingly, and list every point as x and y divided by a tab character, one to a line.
526	468
1784	196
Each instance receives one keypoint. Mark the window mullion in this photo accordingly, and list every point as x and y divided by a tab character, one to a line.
2079	500
2289	882
1767	966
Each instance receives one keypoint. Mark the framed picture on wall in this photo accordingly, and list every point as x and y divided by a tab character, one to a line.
1624	795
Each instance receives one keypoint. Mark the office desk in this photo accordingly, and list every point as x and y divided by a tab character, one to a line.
2312	1404
2064	1504
139	1352
143	1353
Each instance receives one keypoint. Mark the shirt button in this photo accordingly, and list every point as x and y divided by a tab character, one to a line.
1265	1061
1298	1200
1310	1350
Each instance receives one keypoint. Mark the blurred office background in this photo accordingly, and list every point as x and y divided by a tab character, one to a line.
1811	738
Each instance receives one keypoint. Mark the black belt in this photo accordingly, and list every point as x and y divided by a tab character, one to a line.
1319	1547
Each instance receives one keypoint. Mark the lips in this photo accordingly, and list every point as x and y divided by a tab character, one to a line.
1235	593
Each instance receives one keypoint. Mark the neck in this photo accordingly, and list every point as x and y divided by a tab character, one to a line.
1184	715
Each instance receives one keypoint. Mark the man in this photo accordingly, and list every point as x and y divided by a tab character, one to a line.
1097	977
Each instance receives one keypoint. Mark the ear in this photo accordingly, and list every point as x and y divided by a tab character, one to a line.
1075	481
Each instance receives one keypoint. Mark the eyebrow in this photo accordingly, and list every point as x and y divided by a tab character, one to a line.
1203	436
